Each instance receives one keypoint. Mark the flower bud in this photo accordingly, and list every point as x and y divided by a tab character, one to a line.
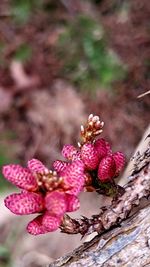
120	162
102	147
55	203
73	203
89	156
106	169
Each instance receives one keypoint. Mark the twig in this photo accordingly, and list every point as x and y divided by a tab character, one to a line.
137	188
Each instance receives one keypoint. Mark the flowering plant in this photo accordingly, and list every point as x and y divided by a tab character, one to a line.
52	193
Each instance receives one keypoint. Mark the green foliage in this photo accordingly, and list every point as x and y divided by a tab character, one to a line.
4	256
6	156
2	48
22	9
88	60
3	160
23	53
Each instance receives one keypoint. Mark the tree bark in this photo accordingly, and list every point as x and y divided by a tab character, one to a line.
126	242
128	245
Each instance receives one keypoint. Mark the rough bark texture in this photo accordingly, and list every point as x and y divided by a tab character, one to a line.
122	240
128	245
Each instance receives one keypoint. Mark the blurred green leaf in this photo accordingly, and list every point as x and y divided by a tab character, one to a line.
6	156
2	60
4	254
89	62
23	53
22	9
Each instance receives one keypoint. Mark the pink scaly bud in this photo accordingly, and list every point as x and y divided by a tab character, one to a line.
73	203
102	147
35	227
120	161
24	203
70	152
36	166
89	156
55	203
73	178
20	177
51	222
106	169
59	165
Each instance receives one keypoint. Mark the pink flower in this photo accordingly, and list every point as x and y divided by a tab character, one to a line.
55	203
102	147
60	165
43	224
36	198
73	203
71	153
25	203
89	156
19	176
110	166
51	194
120	162
73	177
107	168
36	166
51	222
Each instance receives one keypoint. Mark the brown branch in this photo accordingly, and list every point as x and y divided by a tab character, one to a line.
137	188
125	246
121	240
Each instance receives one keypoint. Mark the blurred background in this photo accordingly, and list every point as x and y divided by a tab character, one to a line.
59	62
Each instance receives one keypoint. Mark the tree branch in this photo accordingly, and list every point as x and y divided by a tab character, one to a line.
137	188
119	234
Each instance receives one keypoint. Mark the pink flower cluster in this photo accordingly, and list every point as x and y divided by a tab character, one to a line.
96	156
53	193
44	192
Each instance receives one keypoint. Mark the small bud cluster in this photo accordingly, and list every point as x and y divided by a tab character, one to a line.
92	129
96	154
53	193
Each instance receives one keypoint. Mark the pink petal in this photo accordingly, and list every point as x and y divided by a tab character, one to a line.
59	165
24	203
36	166
74	178
20	177
89	156
35	227
102	147
55	203
107	168
51	222
120	161
73	203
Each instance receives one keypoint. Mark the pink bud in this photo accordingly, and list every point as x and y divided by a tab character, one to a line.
55	203
59	165
35	227
102	147
73	203
68	151
24	203
20	177
73	177
51	222
106	169
71	153
89	156
36	166
120	161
